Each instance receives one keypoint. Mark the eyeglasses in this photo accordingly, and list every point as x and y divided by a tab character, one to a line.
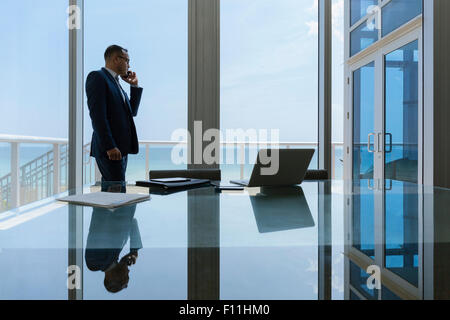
126	59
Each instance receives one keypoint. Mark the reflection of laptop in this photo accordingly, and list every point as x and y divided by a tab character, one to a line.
279	209
292	167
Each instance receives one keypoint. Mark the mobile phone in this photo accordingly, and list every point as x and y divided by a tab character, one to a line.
127	75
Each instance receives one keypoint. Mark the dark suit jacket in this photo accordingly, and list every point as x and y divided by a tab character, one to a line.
112	118
108	234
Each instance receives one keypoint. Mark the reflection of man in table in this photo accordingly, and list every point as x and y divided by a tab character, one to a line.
109	231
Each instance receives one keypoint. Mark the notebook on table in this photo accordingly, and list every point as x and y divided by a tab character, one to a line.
108	200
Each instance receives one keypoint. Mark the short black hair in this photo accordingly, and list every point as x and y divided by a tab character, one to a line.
113	49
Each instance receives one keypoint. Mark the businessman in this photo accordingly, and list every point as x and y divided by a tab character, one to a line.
112	112
108	234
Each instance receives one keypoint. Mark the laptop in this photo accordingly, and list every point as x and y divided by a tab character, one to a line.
292	167
281	209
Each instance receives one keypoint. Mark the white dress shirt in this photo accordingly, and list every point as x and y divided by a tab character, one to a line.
116	77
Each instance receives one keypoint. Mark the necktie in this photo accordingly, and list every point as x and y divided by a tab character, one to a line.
123	93
120	88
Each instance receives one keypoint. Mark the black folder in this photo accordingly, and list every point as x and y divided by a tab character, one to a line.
166	192
172	185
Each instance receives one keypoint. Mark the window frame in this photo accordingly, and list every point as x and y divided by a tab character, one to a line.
350	28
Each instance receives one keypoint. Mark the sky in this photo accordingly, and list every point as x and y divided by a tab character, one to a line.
268	64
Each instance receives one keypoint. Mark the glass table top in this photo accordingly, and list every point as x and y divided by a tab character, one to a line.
321	240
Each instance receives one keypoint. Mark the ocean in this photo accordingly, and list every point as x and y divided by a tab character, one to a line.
27	153
159	159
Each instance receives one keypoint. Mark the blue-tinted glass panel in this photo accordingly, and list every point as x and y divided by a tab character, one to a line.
34	95
358	9
402	231
161	66
387	294
358	279
268	77
363	122
353	296
363	223
402	105
398	12
361	38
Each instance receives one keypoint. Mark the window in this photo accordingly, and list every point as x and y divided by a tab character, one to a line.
358	9
358	280
33	153
34	101
363	122
398	12
361	38
402	113
401	249
269	62
156	37
387	15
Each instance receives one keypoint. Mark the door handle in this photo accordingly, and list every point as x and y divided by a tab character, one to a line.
390	185
378	141
390	143
368	143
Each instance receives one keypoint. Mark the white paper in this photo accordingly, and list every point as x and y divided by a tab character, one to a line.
105	199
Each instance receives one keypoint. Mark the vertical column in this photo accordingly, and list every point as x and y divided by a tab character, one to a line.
56	168
436	46
76	91
203	244
441	246
428	243
436	145
147	161
204	76
428	97
75	148
333	164
325	50
324	241
242	157
75	252
15	175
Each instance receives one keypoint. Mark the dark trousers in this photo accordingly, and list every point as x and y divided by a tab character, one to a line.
112	171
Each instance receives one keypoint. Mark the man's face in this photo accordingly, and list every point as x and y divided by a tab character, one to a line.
122	62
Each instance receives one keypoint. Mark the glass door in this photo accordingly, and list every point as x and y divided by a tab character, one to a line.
401	112
389	237
401	253
402	131
362	204
363	121
387	114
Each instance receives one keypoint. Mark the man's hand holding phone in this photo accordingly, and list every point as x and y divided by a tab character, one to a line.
114	154
131	78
